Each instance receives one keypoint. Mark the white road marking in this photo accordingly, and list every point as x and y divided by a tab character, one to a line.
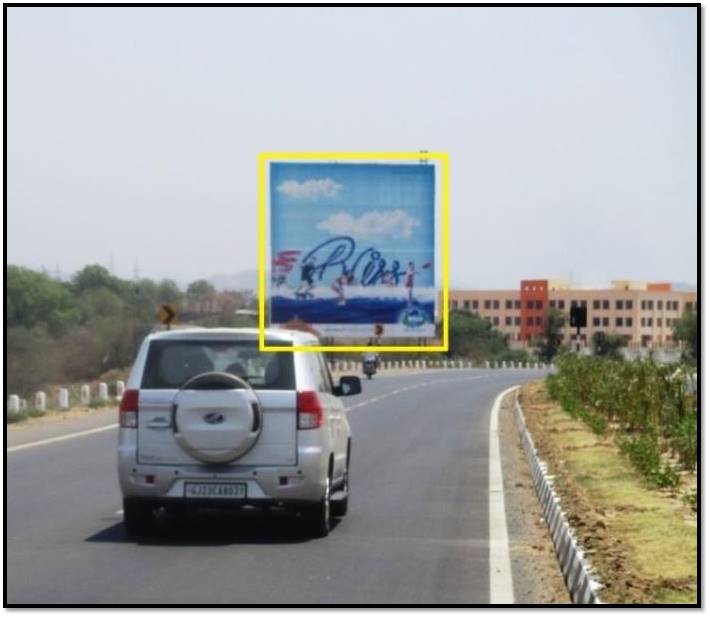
501	578
406	389
43	442
100	429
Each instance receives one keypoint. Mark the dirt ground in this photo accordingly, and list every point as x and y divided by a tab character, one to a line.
641	542
537	578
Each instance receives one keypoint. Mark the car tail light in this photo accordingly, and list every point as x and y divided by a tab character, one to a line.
128	410
310	410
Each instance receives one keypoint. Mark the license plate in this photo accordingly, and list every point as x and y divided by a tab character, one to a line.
215	490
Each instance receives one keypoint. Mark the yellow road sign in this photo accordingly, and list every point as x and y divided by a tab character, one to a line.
167	313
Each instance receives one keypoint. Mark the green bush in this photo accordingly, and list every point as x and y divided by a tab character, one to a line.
645	400
684	441
645	456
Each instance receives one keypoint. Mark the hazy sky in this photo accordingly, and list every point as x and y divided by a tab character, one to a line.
132	134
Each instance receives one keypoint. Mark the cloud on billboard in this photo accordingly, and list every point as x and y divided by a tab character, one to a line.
310	189
374	224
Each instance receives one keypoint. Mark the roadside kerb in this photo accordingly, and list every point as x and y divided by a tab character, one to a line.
580	583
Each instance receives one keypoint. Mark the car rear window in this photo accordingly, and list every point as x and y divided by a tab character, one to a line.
170	363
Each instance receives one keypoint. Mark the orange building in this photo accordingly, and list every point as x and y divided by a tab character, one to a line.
644	313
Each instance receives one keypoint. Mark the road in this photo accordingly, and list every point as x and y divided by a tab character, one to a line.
417	530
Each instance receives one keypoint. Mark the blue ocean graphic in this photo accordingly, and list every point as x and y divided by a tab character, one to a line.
355	311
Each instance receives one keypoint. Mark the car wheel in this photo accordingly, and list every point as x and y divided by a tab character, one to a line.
318	516
340	508
137	517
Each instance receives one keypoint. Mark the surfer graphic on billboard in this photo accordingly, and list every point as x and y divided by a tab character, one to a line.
307	284
339	283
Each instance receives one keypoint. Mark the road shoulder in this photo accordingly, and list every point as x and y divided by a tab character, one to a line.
537	578
58	424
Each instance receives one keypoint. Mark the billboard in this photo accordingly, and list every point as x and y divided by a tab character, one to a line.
352	248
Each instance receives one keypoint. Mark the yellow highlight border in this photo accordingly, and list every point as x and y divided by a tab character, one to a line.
373	157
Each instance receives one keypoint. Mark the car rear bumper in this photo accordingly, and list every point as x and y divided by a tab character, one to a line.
304	482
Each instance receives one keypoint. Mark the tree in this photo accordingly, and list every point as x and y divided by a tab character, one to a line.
33	298
471	336
686	332
143	300
168	292
97	277
101	302
550	339
608	345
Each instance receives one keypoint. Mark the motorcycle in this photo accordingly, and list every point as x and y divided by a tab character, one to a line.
369	367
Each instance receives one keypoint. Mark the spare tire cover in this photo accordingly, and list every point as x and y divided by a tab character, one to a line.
217	426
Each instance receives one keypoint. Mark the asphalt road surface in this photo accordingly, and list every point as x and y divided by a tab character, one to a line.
417	530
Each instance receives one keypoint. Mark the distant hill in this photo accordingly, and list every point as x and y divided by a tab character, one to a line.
245	279
684	286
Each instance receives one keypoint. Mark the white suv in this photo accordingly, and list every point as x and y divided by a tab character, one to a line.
209	420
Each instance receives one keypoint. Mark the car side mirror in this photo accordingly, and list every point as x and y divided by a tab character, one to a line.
348	386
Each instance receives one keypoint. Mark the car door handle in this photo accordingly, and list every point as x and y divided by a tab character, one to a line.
160	423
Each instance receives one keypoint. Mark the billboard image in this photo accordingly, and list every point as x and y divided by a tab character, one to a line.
352	248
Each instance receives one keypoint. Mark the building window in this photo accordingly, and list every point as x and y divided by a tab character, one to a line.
496	304
629	304
475	305
517	304
605	322
467	304
486	304
597	305
454	304
659	305
538	304
509	304
605	305
496	321
508	321
619	305
675	305
688	307
517	321
659	322
596	321
619	322
552	304
574	304
530	321
668	305
561	304
628	322
538	321
668	322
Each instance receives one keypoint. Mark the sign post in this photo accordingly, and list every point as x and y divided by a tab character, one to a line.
578	319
